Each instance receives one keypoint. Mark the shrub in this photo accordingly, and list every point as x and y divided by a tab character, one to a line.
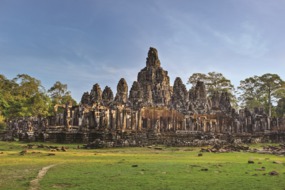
2	123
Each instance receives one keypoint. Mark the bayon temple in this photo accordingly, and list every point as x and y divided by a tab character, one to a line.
151	111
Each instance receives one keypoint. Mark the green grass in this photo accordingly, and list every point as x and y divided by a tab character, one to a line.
169	168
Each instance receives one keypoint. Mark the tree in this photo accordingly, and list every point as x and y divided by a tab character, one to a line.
280	108
27	86
215	82
2	123
30	98
6	87
60	95
195	77
27	97
41	105
249	94
261	91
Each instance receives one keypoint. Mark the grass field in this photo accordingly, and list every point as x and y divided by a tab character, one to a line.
138	168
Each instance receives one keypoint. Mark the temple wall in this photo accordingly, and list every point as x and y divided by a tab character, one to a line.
152	111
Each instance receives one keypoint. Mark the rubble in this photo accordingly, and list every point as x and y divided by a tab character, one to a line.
225	148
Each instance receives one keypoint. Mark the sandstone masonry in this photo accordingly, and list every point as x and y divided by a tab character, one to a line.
152	111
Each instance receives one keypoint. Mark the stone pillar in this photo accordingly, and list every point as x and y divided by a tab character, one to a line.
167	124
139	120
204	126
170	124
97	119
269	123
133	120
184	124
173	121
118	119
72	118
148	123
129	116
107	118
124	119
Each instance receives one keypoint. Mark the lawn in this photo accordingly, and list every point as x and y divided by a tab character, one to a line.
138	168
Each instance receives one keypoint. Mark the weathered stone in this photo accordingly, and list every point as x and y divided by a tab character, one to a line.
122	92
154	81
180	95
215	101
107	95
152	58
198	102
85	98
136	94
225	103
154	113
96	94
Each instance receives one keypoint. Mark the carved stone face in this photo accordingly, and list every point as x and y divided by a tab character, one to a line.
122	91
96	93
152	59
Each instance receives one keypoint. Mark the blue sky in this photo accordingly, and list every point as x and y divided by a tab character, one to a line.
84	42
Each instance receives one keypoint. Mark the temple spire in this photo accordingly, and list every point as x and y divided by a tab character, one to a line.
152	58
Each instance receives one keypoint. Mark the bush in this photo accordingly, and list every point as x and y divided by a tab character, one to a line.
2	126
2	123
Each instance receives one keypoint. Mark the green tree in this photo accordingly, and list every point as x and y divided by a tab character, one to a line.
215	82
195	77
41	105
2	123
28	97
6	87
249	95
59	94
27	86
262	90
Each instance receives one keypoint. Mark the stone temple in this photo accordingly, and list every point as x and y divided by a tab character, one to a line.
152	111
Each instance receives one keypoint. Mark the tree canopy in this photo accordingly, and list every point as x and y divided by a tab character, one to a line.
215	82
262	90
24	96
60	95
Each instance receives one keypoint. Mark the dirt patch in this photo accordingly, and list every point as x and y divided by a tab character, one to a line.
34	184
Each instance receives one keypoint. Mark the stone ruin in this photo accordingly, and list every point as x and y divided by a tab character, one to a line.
152	112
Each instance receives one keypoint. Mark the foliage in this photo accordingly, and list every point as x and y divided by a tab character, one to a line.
29	97
167	168
27	86
6	96
2	123
262	90
214	82
60	95
58	91
24	96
